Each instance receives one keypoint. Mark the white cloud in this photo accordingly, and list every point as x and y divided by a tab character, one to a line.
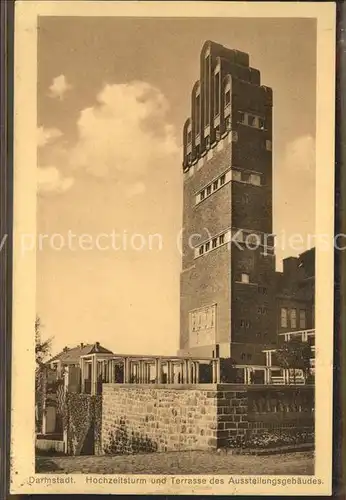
46	135
125	134
51	181
300	154
135	189
59	87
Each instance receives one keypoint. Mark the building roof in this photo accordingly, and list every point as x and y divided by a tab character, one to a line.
71	355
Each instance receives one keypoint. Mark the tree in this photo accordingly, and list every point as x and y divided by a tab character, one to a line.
42	347
294	355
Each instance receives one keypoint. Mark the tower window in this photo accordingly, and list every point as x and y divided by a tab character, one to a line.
227	97
207	142
236	175
228	123
245	199
251	120
208	190
201	250
242	117
255	179
217	133
221	239
202	195
222	180
207	246
189	137
215	185
217	93
198	105
283	317
245	278
214	243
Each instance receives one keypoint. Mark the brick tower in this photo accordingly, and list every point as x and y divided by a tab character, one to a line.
228	264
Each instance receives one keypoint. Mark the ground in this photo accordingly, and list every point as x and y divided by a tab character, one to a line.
193	462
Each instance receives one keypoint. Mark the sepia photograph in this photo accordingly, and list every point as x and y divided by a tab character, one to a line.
173	235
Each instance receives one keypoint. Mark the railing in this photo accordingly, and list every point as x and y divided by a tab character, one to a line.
97	369
305	335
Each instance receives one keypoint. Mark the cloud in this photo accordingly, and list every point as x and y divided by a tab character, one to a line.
135	189
46	135
125	134
300	155
51	181
59	87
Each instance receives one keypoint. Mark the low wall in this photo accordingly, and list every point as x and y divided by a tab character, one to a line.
165	418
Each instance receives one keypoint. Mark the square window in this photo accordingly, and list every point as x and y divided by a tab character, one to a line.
241	117
215	185
208	190
214	243
221	239
222	180
201	249
251	120
245	278
236	175
207	246
255	179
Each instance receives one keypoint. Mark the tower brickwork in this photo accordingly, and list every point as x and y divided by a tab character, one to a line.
228	264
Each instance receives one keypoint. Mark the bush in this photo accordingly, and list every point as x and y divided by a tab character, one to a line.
272	439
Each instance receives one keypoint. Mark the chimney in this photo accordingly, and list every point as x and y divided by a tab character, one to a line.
81	345
97	346
65	349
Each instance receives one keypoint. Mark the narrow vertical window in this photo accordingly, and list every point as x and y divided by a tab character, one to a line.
302	319
214	243
283	317
207	89
221	239
217	93
222	180
198	115
293	318
215	185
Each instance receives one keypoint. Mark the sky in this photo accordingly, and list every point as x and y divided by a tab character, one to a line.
113	95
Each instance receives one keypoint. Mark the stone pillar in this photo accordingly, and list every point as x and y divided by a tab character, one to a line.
82	375
187	371
158	377
197	372
218	374
93	375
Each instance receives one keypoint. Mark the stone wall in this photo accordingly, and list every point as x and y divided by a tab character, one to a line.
131	418
145	418
166	418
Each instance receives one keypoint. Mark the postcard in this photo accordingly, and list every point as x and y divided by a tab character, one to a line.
173	248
